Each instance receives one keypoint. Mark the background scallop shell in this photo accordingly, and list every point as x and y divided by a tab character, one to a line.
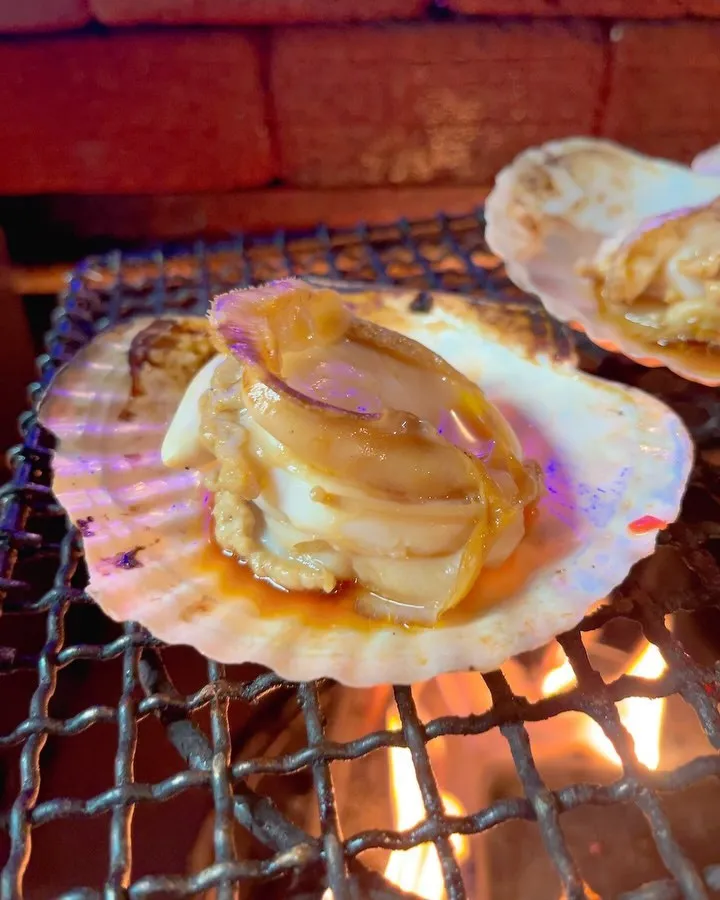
611	454
554	205
707	162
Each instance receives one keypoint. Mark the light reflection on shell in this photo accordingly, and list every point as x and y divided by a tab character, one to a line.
610	454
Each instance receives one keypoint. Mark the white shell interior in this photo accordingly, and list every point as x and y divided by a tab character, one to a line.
610	454
598	190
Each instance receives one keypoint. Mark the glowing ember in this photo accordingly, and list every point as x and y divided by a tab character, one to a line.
417	870
641	716
647	523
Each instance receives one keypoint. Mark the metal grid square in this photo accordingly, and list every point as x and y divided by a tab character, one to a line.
442	253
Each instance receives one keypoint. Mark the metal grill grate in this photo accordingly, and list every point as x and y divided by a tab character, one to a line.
441	253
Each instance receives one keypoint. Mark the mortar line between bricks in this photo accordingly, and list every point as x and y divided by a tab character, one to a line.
266	54
608	58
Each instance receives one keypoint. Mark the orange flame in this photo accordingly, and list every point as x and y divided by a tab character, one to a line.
417	870
641	716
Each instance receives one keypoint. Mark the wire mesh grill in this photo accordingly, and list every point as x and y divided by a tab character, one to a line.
43	580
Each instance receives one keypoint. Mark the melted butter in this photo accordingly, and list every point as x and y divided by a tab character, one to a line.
315	609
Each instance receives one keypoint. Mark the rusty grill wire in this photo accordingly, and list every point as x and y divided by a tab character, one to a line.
443	253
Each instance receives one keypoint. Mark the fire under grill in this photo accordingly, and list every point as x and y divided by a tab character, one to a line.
255	845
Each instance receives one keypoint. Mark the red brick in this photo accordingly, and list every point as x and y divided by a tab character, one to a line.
156	112
251	12
709	8
641	9
43	15
665	87
421	103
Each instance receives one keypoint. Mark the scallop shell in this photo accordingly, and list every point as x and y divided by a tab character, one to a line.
610	454
707	162
555	204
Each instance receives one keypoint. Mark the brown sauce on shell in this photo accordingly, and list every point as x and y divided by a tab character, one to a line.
315	609
703	357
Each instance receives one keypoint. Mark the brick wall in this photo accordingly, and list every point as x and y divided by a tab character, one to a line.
664	87
325	95
133	112
417	103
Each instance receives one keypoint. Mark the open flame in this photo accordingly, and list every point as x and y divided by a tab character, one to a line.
417	870
641	716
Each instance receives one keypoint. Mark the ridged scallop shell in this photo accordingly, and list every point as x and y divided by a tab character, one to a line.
555	204
611	455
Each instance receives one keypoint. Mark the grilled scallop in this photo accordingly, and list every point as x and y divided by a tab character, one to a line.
620	245
346	451
233	495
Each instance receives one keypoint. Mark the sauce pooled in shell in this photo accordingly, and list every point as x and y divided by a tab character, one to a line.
339	451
